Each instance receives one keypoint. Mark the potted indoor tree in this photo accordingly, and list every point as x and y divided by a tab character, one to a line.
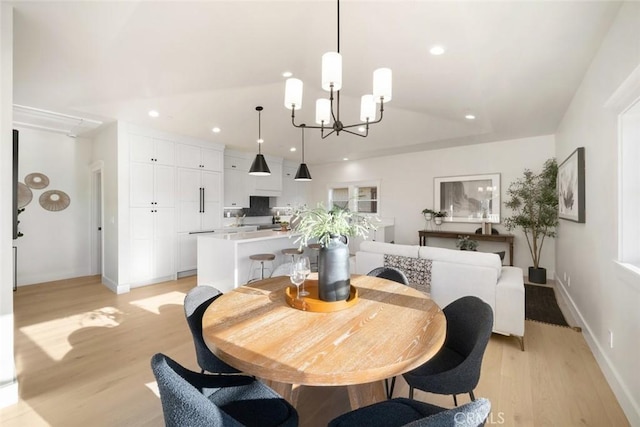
331	228
464	243
533	200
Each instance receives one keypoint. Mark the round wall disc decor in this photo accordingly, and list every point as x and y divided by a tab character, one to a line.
54	200
36	180
24	195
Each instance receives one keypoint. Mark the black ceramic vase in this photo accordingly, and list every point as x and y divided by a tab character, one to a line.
333	271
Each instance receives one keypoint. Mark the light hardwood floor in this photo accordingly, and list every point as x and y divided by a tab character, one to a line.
82	356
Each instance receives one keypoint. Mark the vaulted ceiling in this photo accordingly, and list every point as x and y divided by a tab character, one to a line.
515	65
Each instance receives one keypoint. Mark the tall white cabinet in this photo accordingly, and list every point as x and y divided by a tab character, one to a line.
175	188
199	199
152	209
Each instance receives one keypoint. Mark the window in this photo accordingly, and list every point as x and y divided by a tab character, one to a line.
360	197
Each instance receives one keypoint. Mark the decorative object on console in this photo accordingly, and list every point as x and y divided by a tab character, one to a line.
470	198
533	200
328	227
328	114
464	243
571	187
438	215
428	216
259	166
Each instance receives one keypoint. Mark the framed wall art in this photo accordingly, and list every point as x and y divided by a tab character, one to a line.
571	187
469	198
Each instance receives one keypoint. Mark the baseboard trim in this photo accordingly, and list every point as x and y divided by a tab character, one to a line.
630	408
9	394
114	287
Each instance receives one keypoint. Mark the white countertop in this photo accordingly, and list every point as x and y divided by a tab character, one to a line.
252	236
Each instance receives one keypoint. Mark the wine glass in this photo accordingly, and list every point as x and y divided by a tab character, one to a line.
297	277
304	265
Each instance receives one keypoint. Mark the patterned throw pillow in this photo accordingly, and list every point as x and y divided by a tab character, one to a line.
417	270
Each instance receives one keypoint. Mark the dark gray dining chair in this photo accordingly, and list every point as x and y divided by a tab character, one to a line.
402	412
196	302
395	274
194	399
455	369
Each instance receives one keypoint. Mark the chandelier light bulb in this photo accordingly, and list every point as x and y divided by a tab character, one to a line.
331	71
293	94
382	84
323	111
367	108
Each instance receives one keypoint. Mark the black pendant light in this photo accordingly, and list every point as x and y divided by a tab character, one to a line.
303	171
259	166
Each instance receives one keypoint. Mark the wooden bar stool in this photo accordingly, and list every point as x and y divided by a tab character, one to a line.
262	258
293	252
316	249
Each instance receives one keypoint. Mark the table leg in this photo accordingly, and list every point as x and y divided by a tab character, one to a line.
288	391
366	394
511	253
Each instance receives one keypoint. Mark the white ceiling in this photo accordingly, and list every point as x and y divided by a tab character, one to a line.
514	64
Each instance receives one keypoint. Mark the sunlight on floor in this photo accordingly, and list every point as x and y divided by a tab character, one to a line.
153	304
53	336
153	386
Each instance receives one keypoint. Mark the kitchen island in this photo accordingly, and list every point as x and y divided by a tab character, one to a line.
223	259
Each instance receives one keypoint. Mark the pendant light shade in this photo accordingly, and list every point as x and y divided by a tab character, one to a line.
303	171
259	166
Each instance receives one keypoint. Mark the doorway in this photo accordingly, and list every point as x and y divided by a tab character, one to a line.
97	216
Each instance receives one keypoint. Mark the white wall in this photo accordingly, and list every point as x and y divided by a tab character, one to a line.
55	245
601	297
8	381
407	183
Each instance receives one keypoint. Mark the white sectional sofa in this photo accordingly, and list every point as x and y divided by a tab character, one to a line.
454	274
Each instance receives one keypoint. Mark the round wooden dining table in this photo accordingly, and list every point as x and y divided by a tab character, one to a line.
390	329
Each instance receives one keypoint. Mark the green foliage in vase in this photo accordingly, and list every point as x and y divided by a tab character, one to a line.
464	243
533	200
440	214
321	224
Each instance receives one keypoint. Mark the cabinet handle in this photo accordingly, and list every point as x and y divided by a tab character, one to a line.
202	200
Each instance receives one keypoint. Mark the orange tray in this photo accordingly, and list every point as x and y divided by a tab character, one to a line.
312	303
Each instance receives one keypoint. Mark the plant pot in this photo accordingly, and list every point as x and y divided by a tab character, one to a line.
438	220
538	275
333	271
427	216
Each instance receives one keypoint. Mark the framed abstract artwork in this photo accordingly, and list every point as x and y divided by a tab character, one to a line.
571	187
469	198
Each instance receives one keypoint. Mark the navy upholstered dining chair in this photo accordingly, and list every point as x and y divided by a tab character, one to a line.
196	302
455	369
400	412
195	399
395	274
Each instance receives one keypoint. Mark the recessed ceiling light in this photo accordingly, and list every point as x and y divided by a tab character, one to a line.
215	130
362	129
345	158
287	74
260	141
437	50
292	149
470	117
153	113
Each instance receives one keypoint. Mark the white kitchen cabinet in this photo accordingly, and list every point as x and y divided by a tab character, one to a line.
145	149
199	200
152	245
236	182
191	156
293	192
270	185
152	185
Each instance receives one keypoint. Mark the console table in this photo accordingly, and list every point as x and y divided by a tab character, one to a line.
506	238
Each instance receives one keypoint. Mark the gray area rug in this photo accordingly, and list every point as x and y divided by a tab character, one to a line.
541	306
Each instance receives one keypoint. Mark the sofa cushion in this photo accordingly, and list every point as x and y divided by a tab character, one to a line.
480	259
417	270
390	248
